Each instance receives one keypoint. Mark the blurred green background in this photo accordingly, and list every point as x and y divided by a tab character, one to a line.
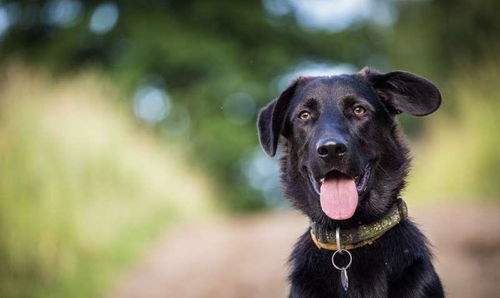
119	119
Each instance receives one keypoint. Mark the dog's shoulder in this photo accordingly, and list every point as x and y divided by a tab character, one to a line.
406	239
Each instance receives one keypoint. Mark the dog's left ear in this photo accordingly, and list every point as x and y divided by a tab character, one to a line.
271	118
405	92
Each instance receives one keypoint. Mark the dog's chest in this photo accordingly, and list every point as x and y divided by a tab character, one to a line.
313	274
367	278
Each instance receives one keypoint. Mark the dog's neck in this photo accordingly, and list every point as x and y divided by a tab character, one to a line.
362	234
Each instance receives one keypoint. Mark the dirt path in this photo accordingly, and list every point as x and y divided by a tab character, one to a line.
246	257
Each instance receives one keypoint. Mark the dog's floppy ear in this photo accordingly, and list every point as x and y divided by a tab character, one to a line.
271	118
405	92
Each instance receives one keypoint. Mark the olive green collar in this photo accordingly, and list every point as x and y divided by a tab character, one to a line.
362	235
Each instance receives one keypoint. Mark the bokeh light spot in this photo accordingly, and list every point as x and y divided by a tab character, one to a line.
151	104
262	174
63	13
308	68
239	108
333	15
4	21
104	18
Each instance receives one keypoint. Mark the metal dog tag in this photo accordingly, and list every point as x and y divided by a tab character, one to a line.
344	279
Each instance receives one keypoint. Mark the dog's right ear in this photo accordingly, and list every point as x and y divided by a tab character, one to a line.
271	118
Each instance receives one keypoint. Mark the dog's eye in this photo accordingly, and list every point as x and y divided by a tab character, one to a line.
304	115
358	110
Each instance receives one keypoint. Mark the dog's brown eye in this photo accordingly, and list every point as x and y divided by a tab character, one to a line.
304	115
359	110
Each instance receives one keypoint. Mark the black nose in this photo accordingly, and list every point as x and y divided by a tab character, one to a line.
331	148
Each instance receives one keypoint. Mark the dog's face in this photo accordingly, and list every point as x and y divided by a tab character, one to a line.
344	158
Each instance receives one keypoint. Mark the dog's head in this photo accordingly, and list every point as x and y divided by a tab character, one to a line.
344	157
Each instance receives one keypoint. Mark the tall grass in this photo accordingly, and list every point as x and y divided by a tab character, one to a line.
459	158
83	189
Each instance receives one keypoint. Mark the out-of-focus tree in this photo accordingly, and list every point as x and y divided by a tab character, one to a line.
190	66
203	53
436	37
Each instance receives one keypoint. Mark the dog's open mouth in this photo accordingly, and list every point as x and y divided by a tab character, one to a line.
339	192
361	180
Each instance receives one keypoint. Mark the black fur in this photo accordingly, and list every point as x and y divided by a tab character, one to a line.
399	263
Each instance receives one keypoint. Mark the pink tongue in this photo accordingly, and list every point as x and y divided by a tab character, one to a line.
339	197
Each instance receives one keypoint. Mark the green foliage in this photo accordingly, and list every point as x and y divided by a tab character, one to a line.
432	38
458	158
204	51
83	191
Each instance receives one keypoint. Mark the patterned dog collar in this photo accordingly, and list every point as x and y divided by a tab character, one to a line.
362	235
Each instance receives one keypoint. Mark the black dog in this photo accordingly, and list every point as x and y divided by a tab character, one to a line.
344	165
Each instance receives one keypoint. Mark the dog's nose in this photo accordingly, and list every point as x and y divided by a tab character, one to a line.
331	148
